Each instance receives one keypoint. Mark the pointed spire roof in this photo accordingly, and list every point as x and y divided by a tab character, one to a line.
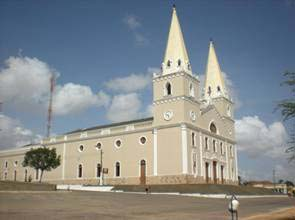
175	55
214	81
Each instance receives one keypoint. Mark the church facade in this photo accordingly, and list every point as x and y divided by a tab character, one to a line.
189	139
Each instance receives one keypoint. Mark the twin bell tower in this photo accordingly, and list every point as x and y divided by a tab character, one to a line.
177	94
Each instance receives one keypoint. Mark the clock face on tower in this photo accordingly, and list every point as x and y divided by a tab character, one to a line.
192	115
168	115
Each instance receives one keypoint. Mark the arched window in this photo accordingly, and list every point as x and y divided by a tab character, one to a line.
81	148
194	163
193	138
191	90
218	89
37	174
98	170
213	128
228	111
179	62
168	88
214	146
168	63
206	143
209	90
117	169
80	171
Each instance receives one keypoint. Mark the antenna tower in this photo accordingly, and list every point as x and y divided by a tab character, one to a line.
49	116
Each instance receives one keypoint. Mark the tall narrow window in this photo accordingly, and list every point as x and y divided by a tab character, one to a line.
193	138
206	143
168	88
80	171
209	90
191	90
194	163
98	170
117	169
214	145
37	174
168	63
5	176
15	175
179	62
213	128
218	89
228	111
221	148
6	164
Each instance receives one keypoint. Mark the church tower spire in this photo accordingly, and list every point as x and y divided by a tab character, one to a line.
214	81
176	57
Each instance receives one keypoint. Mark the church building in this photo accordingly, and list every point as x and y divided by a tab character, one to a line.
189	139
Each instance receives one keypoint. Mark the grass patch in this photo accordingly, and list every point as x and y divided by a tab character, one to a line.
25	186
198	188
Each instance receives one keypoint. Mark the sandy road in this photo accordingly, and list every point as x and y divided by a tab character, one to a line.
95	205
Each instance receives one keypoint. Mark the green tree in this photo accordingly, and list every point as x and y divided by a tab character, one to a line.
43	159
287	108
289	183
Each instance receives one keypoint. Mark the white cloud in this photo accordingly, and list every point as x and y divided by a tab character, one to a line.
124	107
140	39
256	138
233	93
25	81
132	22
25	84
73	98
13	134
131	83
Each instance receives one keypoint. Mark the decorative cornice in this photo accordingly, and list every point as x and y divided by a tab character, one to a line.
158	78
174	99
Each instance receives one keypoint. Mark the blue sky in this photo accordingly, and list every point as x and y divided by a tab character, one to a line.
91	43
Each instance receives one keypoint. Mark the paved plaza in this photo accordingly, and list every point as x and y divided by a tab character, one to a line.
98	205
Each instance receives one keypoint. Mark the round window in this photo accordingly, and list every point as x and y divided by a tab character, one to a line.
98	146
142	140
118	143
81	148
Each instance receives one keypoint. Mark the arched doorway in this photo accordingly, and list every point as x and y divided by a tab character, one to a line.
142	172
221	173
207	172
214	172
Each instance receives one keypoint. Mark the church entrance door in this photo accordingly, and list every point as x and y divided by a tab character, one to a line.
214	172
221	172
142	172
207	172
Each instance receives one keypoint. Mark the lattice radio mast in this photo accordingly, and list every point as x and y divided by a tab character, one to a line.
49	116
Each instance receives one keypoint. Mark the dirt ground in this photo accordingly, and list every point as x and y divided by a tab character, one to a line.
97	205
283	214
